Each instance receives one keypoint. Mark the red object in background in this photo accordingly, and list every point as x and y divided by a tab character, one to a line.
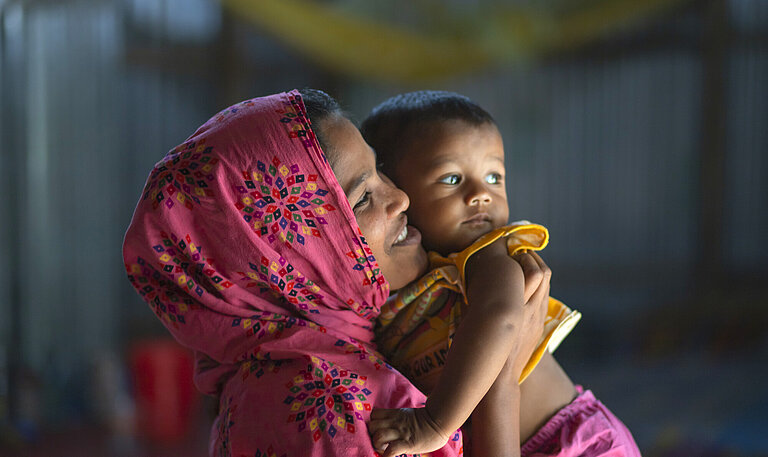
164	392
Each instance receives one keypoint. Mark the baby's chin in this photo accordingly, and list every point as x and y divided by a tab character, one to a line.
457	243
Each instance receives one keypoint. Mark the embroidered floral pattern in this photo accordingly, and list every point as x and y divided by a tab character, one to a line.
280	202
282	278
183	178
325	398
181	260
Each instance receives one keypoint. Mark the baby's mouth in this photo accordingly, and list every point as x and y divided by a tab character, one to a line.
477	219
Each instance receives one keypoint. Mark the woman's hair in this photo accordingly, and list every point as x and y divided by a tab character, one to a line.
320	106
398	119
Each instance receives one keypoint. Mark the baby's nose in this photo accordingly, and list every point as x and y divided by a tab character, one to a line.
477	195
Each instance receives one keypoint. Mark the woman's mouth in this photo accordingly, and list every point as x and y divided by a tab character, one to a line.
408	236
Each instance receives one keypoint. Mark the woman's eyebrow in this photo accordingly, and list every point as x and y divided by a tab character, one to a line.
358	182
362	178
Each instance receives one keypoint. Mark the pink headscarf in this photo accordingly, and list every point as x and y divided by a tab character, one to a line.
246	248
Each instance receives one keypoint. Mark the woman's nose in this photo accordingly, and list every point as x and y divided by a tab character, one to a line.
477	194
398	201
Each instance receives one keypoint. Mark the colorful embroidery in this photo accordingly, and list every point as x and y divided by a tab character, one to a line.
364	309
297	124
266	323
182	261
327	399
282	203
353	347
259	368
281	277
234	109
270	452
183	178
366	262
162	295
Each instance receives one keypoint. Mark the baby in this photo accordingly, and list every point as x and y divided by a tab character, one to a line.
447	154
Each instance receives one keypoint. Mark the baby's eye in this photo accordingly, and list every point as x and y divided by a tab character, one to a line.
451	179
493	178
363	200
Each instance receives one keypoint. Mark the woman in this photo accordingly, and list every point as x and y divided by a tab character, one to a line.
254	255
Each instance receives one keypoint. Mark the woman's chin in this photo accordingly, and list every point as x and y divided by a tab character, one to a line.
414	266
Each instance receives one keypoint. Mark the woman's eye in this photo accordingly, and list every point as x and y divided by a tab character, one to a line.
493	178
451	179
363	200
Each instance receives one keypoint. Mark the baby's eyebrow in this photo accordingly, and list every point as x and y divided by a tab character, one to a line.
440	161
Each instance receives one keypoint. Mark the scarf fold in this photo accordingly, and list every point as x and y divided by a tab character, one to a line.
416	326
245	247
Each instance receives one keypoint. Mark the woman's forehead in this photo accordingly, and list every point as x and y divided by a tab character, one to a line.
352	160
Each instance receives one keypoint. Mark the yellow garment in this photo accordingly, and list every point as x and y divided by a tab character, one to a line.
416	325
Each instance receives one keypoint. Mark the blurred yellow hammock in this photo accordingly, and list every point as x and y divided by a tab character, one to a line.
360	46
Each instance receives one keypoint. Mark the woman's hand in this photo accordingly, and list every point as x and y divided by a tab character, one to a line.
405	431
535	304
514	290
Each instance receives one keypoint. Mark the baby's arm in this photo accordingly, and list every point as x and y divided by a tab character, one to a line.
509	303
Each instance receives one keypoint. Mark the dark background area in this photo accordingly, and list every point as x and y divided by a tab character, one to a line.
636	131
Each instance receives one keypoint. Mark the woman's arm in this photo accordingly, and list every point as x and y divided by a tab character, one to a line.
495	428
505	321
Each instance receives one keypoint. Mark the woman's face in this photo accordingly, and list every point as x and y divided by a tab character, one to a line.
378	205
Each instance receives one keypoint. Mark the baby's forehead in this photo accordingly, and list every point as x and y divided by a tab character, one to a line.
438	140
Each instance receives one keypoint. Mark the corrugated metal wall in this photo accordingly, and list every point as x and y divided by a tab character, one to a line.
81	129
746	224
61	119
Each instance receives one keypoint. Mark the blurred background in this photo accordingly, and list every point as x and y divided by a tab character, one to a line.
635	130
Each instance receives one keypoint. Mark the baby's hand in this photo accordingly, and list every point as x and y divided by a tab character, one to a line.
405	431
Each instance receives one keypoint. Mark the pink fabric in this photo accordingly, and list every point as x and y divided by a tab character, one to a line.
245	247
584	428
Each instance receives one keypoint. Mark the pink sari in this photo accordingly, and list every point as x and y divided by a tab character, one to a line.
245	247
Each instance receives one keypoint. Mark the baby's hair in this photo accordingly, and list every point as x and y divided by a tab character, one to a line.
395	121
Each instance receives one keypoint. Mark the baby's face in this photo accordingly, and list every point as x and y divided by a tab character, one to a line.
454	177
